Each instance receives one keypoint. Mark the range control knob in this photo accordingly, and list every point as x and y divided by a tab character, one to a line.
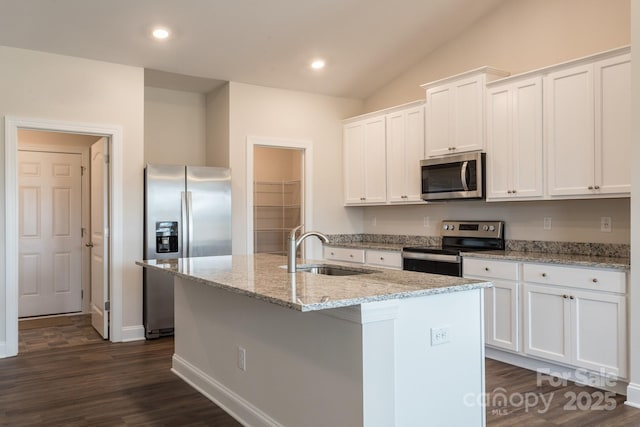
492	228
446	227
485	227
452	227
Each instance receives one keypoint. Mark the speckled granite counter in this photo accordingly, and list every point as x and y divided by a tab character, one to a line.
262	277
396	247
617	263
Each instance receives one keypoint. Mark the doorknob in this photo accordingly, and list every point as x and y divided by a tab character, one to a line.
89	245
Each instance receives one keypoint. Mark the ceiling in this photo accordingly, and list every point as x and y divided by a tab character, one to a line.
366	43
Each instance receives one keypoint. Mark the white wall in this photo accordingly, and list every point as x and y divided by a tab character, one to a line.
276	113
174	127
633	393
517	36
218	127
46	86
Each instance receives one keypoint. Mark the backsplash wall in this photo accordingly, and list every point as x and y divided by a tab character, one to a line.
571	220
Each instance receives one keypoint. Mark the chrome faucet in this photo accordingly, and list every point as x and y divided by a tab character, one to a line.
294	244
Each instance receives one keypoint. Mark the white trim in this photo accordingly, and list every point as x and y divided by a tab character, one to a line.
307	147
364	313
133	333
230	402
114	133
633	395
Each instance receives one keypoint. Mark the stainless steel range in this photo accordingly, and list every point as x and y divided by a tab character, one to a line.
457	237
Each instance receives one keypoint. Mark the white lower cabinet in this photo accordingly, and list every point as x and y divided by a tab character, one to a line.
569	324
372	257
574	316
501	302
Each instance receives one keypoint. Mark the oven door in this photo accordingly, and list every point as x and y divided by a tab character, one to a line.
448	265
453	177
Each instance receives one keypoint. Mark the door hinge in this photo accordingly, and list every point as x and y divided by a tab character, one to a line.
107	305
81	293
82	169
106	158
83	232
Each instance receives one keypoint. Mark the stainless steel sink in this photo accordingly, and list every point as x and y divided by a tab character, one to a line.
332	270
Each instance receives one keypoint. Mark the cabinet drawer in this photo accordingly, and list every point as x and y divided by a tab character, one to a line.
388	259
344	254
577	277
506	270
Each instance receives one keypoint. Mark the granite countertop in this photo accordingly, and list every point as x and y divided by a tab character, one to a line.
616	263
261	276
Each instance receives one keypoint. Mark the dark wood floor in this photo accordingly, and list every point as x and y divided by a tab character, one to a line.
66	375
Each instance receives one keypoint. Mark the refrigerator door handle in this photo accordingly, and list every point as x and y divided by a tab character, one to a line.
185	227
190	223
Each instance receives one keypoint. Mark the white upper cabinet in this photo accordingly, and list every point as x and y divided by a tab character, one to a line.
514	140
405	149
455	112
382	153
365	161
588	128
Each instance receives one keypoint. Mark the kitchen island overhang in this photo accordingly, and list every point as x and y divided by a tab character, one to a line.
380	349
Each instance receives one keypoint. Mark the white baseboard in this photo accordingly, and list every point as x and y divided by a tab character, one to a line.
633	395
234	405
3	350
133	333
594	379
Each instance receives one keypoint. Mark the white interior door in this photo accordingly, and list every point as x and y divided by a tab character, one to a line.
99	238
50	237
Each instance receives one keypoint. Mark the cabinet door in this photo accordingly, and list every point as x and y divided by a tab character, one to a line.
613	125
439	120
547	323
375	160
570	136
468	118
353	140
527	159
499	143
501	315
405	149
599	332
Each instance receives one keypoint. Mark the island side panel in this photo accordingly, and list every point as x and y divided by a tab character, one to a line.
440	385
301	368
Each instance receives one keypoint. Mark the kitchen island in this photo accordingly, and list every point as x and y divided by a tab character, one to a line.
382	348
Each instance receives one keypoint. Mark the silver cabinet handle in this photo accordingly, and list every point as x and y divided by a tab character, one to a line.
594	280
590	187
565	296
544	274
486	269
381	258
571	297
597	187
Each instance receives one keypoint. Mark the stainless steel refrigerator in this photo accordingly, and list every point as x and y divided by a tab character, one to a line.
187	213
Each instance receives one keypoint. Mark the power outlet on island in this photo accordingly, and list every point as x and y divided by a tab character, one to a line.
440	335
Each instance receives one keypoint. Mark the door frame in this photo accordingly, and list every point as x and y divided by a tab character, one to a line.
114	136
296	144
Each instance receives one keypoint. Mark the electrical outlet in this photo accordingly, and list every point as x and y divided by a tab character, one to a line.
242	359
427	223
440	335
547	223
605	224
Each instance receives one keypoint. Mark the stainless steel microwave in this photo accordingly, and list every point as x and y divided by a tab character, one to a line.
459	176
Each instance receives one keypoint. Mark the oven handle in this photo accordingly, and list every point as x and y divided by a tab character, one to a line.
454	259
463	175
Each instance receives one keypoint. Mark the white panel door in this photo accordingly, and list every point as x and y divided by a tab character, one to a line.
375	163
570	131
501	315
396	141
414	152
547	322
353	140
468	117
613	125
50	254
499	143
600	332
99	238
527	167
439	120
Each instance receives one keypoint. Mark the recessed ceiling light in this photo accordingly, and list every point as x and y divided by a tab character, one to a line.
160	33
318	64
